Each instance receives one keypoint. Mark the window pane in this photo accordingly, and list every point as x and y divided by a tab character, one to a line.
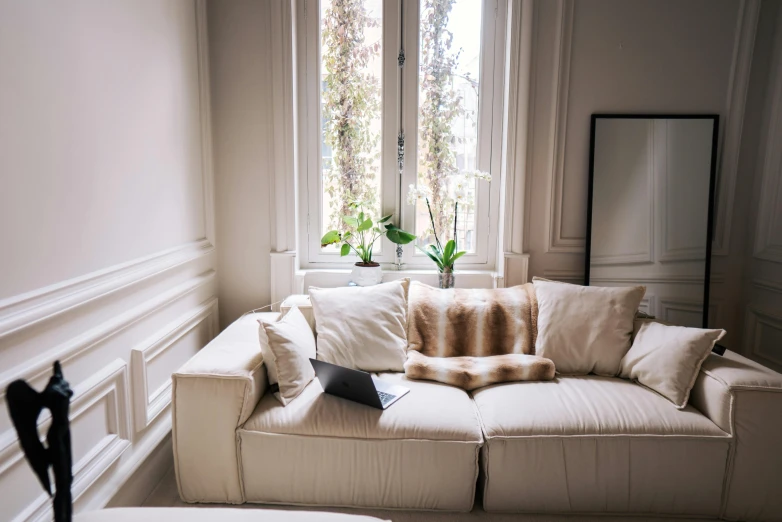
448	86
351	36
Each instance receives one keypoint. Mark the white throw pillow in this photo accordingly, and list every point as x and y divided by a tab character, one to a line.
364	328
585	329
287	347
667	359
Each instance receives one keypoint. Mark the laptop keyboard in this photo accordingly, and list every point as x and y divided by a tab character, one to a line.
385	398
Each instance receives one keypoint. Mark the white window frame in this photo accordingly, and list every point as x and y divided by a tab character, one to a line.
399	115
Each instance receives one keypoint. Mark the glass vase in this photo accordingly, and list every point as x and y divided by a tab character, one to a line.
447	279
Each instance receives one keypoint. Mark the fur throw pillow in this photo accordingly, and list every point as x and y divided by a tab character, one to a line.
474	337
474	322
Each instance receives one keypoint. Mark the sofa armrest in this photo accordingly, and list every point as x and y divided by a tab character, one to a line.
744	399
213	394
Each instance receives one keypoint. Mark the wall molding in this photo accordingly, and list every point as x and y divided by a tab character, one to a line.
733	122
515	270
663	279
31	309
40	365
650	303
283	276
282	162
148	404
678	255
561	81
144	480
205	110
517	119
645	256
108	386
575	277
765	284
691	306
667	253
100	495
756	319
770	186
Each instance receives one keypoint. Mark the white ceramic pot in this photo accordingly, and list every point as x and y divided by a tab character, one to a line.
366	275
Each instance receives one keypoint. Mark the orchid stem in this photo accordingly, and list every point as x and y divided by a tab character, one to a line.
455	219
434	229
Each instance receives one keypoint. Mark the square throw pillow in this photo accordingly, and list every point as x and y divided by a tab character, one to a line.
585	329
667	359
363	328
287	347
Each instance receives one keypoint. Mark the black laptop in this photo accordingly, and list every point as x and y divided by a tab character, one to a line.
356	385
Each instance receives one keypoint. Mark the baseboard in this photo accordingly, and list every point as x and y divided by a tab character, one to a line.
146	478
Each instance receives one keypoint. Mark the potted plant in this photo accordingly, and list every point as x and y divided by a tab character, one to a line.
360	238
445	257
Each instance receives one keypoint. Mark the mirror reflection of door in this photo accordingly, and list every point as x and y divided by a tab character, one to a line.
651	180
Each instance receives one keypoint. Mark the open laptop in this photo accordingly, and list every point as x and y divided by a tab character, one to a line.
356	385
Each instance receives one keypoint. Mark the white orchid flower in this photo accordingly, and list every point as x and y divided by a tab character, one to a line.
415	193
476	174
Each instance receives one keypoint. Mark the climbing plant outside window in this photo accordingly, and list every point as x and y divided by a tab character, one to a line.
404	92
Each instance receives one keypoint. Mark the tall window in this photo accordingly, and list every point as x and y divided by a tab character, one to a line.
351	68
448	94
372	71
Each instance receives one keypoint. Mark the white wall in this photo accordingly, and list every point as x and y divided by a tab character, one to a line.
107	226
239	47
759	199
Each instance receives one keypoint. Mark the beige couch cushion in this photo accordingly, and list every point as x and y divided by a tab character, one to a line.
585	329
364	328
430	411
586	405
597	445
421	453
667	358
287	346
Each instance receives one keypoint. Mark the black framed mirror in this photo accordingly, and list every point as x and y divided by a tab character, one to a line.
651	209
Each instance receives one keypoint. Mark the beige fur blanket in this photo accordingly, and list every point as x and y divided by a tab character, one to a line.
470	373
474	337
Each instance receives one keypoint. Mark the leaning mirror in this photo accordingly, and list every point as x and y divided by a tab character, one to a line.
651	193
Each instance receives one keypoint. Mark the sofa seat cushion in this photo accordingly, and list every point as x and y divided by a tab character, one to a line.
585	405
321	450
597	445
431	411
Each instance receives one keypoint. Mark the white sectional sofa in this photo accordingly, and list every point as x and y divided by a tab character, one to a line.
573	445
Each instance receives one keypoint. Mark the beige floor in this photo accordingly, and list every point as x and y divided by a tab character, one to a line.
165	495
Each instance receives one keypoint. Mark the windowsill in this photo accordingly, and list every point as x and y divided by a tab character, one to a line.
333	277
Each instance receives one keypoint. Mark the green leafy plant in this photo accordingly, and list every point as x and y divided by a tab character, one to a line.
445	256
362	233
